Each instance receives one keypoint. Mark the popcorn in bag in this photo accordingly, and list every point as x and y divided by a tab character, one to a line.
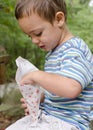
31	94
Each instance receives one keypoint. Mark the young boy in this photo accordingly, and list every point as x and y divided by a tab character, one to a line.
68	73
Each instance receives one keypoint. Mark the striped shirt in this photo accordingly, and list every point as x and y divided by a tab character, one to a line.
71	59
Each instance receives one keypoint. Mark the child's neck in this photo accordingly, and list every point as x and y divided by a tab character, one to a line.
66	34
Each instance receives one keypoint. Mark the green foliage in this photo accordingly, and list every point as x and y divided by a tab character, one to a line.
81	22
14	41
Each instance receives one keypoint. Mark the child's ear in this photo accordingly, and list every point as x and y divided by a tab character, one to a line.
60	19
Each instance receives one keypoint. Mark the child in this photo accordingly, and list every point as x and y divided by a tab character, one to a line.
67	78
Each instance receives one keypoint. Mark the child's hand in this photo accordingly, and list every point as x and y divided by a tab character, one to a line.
29	78
24	106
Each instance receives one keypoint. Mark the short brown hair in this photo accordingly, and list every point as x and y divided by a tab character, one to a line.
44	8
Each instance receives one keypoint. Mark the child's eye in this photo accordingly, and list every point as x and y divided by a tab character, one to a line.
38	34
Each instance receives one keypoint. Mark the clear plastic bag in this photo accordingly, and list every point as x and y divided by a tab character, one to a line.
31	94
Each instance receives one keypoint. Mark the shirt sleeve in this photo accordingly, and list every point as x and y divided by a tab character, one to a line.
75	65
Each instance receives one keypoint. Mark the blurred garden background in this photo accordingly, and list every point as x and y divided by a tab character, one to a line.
15	43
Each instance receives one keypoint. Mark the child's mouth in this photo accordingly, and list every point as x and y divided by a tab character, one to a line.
42	47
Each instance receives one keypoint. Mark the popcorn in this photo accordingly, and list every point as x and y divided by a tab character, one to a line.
31	94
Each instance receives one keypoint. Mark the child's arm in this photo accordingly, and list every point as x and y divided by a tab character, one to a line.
54	83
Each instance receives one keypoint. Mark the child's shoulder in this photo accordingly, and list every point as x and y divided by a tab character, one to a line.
73	43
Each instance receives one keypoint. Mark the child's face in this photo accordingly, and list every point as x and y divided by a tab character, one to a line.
45	35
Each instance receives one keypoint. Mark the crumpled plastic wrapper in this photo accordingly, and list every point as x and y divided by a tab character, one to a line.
31	94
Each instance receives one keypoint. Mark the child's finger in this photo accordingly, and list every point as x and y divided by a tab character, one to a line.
26	112
24	105
22	100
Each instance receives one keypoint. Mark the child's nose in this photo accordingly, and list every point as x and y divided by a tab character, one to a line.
35	40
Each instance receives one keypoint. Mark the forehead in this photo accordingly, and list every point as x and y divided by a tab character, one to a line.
33	22
29	23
